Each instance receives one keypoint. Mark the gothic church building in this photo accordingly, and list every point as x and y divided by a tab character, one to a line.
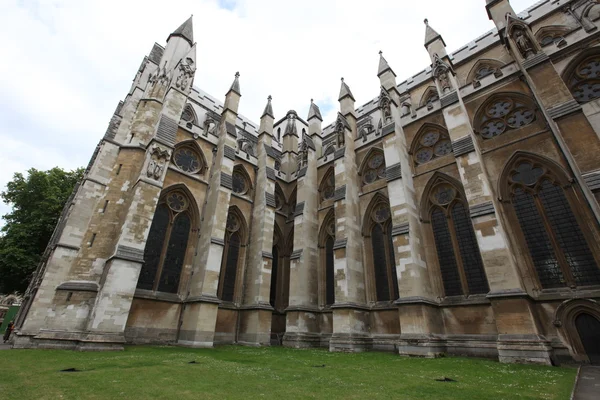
457	212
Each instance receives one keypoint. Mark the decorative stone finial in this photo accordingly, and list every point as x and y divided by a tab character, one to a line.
380	52
269	98
311	100
237	74
342	79
426	21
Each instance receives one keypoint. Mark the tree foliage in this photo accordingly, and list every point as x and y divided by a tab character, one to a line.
37	201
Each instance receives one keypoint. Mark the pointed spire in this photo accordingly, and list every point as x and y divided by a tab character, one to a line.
186	31
383	65
345	92
431	35
235	86
314	112
268	108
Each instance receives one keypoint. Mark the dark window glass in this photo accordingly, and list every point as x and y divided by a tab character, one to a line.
469	250
169	279
274	273
239	183
379	264
392	260
445	252
154	246
231	267
569	235
537	240
187	160
329	272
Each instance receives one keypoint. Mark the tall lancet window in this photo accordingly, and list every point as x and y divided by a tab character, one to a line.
276	267
326	242
234	239
167	243
379	229
459	259
558	247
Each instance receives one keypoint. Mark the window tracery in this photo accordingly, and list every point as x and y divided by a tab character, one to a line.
240	181
432	142
557	246
503	113
379	225
167	244
584	80
188	160
459	259
328	186
373	168
234	234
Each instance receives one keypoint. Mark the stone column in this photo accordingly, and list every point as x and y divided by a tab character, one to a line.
302	327
255	318
201	305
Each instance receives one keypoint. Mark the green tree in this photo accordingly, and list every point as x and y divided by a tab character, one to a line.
37	201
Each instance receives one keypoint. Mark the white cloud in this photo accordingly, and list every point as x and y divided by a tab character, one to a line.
66	63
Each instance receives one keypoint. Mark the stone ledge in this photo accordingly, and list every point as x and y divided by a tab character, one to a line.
204	298
257	306
509	293
296	254
301	308
416	300
350	305
535	60
563	109
79	286
158	296
482	209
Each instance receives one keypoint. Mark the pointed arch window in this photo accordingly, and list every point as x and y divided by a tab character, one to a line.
240	181
584	79
276	265
502	113
373	167
189	116
382	249
557	246
167	244
327	188
231	257
326	243
429	97
459	259
430	143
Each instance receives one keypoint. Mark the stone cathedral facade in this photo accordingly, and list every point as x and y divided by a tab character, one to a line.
457	212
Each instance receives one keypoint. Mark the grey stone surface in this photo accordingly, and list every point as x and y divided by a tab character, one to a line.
587	386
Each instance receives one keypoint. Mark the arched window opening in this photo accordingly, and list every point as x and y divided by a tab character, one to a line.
240	181
327	188
502	113
231	259
373	167
187	158
429	97
557	245
279	134
167	244
274	276
430	143
584	79
459	259
326	244
382	249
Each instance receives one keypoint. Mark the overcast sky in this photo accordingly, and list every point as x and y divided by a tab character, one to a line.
67	63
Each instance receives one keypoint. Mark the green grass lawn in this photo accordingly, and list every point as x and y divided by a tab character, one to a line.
233	372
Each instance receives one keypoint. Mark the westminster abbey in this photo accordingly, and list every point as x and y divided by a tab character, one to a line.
458	212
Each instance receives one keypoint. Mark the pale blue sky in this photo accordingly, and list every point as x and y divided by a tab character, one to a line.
67	63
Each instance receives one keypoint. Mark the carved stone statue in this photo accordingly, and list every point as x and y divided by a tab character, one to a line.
290	128
444	81
151	168
523	44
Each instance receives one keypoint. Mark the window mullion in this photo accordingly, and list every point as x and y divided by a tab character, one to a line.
564	265
223	267
457	255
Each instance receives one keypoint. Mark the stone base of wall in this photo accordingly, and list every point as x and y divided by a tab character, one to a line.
421	345
299	340
347	342
526	349
82	341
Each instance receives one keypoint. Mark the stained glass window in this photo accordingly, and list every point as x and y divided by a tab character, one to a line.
503	114
328	186
431	143
274	272
584	81
374	168
187	160
329	272
167	244
384	264
240	184
458	253
557	246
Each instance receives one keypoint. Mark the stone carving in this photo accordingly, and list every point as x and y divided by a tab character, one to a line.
524	44
385	106
303	155
365	127
211	125
441	71
290	128
185	74
159	80
157	162
340	133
